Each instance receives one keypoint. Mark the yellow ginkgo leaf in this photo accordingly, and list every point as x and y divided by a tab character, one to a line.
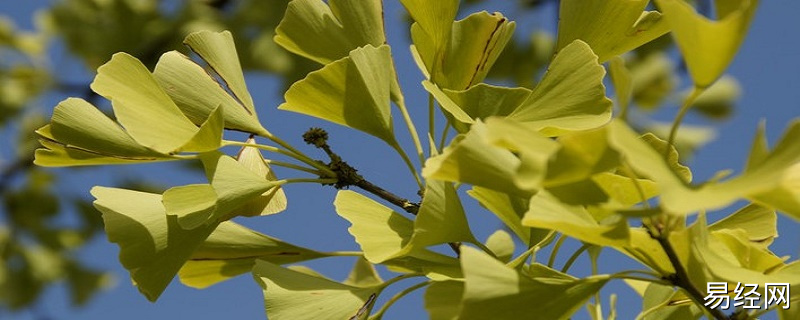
708	45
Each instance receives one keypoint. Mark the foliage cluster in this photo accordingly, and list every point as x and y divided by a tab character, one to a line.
548	158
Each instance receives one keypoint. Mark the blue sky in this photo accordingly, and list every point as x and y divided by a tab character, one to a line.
768	67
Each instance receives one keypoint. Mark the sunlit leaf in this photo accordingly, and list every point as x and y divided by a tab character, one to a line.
363	274
611	28
623	82
270	202
495	291
353	92
434	18
382	233
679	198
153	247
443	300
509	209
209	135
758	222
218	50
571	96
290	294
194	204
197	93
141	105
501	244
441	217
328	32
478	102
469	52
545	211
231	250
234	184
708	46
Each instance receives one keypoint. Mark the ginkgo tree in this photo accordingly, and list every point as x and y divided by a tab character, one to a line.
551	162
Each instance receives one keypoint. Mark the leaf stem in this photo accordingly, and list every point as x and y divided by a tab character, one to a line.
443	138
574	257
673	132
431	119
399	278
552	260
396	297
410	165
412	130
345	253
292	166
293	153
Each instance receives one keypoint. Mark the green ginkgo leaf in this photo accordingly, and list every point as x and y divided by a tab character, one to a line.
571	95
141	105
434	18
623	82
611	28
384	234
289	294
759	223
443	300
472	159
80	134
234	184
508	208
153	246
678	197
708	46
328	32
209	135
270	202
363	274
441	218
218	50
194	205
353	92
469	52
501	244
547	212
494	291
232	249
197	93
533	149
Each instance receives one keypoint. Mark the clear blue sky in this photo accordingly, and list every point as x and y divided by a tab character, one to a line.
768	68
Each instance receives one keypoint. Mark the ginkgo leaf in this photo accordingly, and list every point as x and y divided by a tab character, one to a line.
708	46
142	106
478	102
290	294
471	159
353	92
611	28
80	134
546	211
384	234
153	247
534	149
270	202
760	223
443	300
234	184
209	135
678	197
328	32
441	217
363	274
193	204
197	93
508	208
571	95
623	82
502	245
218	50
79	124
232	249
495	291
472	47
434	18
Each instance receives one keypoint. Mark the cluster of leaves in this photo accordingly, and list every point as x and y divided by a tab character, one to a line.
551	162
37	247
